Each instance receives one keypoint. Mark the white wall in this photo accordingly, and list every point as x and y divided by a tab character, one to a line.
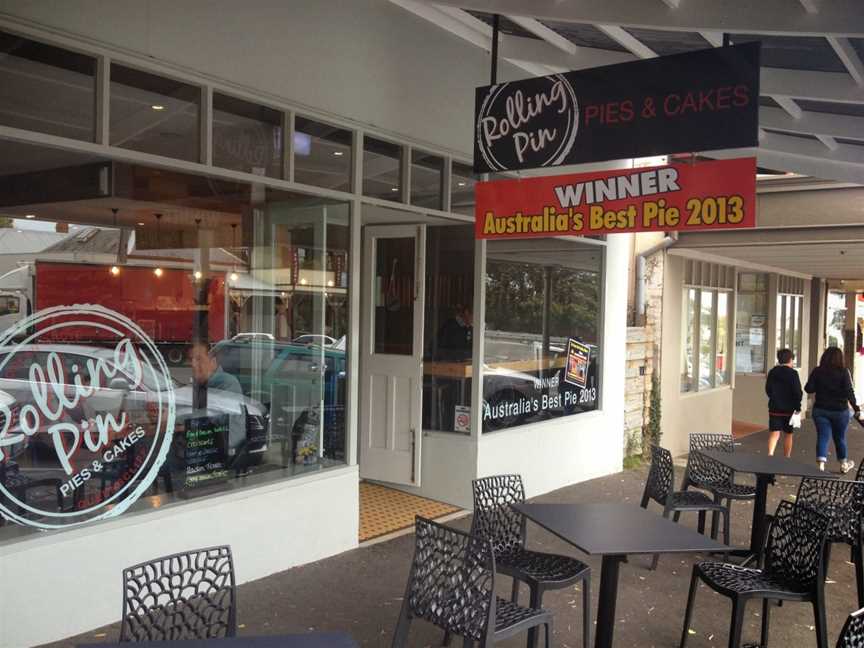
60	584
572	449
366	60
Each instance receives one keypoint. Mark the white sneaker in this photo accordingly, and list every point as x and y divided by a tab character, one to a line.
821	466
846	466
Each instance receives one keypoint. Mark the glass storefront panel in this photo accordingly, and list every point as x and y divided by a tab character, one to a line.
322	154
154	114
542	342
395	263
47	89
721	357
449	326
462	189
688	349
214	337
382	169
427	180
751	323
246	136
706	339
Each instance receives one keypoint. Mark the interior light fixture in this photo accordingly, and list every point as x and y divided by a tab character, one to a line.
158	107
140	224
197	274
330	283
461	183
29	215
158	271
303	282
115	270
394	188
338	153
233	276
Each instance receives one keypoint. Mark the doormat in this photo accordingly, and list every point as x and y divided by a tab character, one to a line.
387	510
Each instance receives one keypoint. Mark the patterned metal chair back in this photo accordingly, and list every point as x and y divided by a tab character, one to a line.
704	472
188	595
661	476
842	501
494	519
852	634
452	580
795	542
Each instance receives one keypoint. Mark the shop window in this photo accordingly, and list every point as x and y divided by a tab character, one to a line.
789	322
705	336
47	89
427	180
246	136
153	114
835	323
382	170
449	326
462	189
751	323
322	154
542	341
239	315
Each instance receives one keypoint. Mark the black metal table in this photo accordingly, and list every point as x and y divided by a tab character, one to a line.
614	531
765	467
315	640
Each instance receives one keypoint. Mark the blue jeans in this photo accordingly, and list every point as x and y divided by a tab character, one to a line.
831	423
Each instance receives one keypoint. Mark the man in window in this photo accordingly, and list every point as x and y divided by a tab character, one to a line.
455	337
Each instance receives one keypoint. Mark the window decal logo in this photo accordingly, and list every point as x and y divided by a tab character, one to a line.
91	425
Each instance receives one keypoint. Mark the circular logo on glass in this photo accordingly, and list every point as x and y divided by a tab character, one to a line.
528	125
87	411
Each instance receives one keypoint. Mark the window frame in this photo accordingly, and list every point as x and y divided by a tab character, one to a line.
695	359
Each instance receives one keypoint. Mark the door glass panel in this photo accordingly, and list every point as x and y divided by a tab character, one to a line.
394	296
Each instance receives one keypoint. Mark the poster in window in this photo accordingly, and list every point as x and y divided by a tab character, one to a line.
578	358
205	453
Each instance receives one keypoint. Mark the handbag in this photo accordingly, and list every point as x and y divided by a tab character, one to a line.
795	420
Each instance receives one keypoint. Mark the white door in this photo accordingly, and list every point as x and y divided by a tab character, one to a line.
392	353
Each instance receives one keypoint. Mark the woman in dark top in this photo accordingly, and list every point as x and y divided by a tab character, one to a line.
783	387
832	385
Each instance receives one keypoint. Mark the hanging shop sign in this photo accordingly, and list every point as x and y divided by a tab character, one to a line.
84	407
679	197
698	101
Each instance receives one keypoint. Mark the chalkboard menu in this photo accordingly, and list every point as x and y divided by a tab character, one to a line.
206	450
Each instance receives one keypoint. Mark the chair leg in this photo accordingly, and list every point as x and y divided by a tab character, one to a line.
467	643
702	522
827	557
821	624
586	612
736	626
548	634
447	637
688	613
766	621
536	598
676	517
514	595
400	636
858	561
727	535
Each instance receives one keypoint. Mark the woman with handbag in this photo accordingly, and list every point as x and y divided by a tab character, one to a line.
832	385
783	387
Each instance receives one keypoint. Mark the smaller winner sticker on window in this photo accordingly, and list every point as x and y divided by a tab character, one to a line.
578	357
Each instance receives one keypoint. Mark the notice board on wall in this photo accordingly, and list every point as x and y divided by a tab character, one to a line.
718	194
696	101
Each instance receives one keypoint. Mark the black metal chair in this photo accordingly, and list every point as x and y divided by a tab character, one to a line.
452	585
792	571
189	595
21	485
706	474
843	501
659	487
852	634
495	520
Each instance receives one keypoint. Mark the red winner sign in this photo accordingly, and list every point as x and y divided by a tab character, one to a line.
707	195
